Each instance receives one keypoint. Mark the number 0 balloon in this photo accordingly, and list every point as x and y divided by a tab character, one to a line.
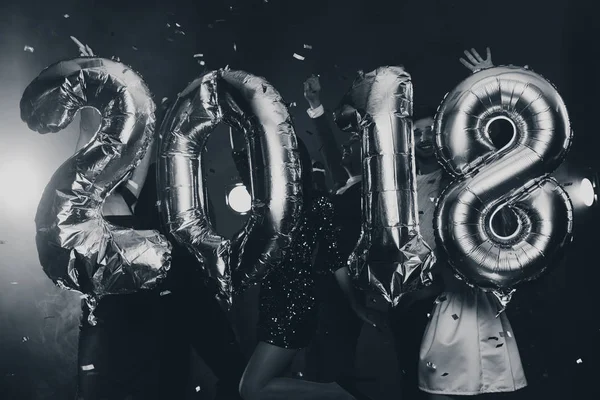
515	177
77	247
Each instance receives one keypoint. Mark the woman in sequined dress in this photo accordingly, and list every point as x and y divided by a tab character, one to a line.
288	309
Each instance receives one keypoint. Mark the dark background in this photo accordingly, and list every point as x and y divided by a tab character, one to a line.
555	319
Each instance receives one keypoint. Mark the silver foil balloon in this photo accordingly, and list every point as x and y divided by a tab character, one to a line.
251	105
390	254
77	248
515	177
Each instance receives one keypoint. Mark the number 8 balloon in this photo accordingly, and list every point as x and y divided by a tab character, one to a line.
77	248
516	177
252	105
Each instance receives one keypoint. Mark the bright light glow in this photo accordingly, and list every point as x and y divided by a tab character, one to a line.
586	192
20	186
239	199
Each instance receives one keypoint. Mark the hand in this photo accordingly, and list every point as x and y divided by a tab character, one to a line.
84	49
476	62
312	91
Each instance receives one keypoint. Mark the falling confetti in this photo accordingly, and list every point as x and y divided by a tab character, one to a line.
428	315
445	374
579	361
88	367
198	55
177	25
505	334
454	317
499	345
234	47
66	15
29	49
431	365
201	62
293	104
169	40
133	47
179	32
308	46
432	199
25	339
493	338
309	132
165	292
168	25
440	299
298	57
14	283
421	212
299	374
198	389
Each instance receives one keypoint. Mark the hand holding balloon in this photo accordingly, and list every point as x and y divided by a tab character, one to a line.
476	62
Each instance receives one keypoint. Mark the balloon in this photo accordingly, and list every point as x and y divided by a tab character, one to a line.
251	105
513	179
77	248
390	254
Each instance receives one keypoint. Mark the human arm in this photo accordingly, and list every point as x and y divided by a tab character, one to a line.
329	150
475	62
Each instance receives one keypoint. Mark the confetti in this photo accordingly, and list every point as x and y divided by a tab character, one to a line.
165	292
234	47
198	389
198	55
440	299
579	361
201	62
25	339
14	283
133	47
432	199
163	100
499	345
177	25
421	212
168	25
88	367
29	49
493	338
308	46
66	15
298	57
299	374
293	104
505	334
169	39
431	365
179	32
428	315
454	317
445	374
309	132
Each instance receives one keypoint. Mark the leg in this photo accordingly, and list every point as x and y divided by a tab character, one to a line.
262	379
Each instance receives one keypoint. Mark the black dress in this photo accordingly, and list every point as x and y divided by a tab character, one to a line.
288	306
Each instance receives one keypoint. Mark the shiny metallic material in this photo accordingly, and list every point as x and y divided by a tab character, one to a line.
516	176
251	105
77	248
391	254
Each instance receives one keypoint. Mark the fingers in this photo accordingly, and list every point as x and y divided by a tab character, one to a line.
90	52
470	57
466	63
488	54
476	55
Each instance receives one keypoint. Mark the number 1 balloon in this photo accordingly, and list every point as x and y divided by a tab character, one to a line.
77	247
515	177
390	255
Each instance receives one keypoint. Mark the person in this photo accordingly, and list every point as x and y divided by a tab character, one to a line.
287	303
466	348
333	351
141	346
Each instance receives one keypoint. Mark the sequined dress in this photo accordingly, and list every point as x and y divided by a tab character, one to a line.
288	305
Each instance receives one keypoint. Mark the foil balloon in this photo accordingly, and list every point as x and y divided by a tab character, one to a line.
513	179
251	105
77	248
390	255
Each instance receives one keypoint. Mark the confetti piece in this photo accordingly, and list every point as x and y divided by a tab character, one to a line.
198	389
308	46
201	62
579	361
440	299
169	39
163	100
14	283
299	374
198	55
454	317
505	334
445	374
133	47
234	47
88	367
499	345
293	104
432	199
168	25
493	338
29	49
421	212
25	339
309	132
179	32
66	15
431	365
165	292
428	315
177	25
298	57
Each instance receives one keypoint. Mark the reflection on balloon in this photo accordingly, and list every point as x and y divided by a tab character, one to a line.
78	249
390	255
511	182
251	105
239	200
